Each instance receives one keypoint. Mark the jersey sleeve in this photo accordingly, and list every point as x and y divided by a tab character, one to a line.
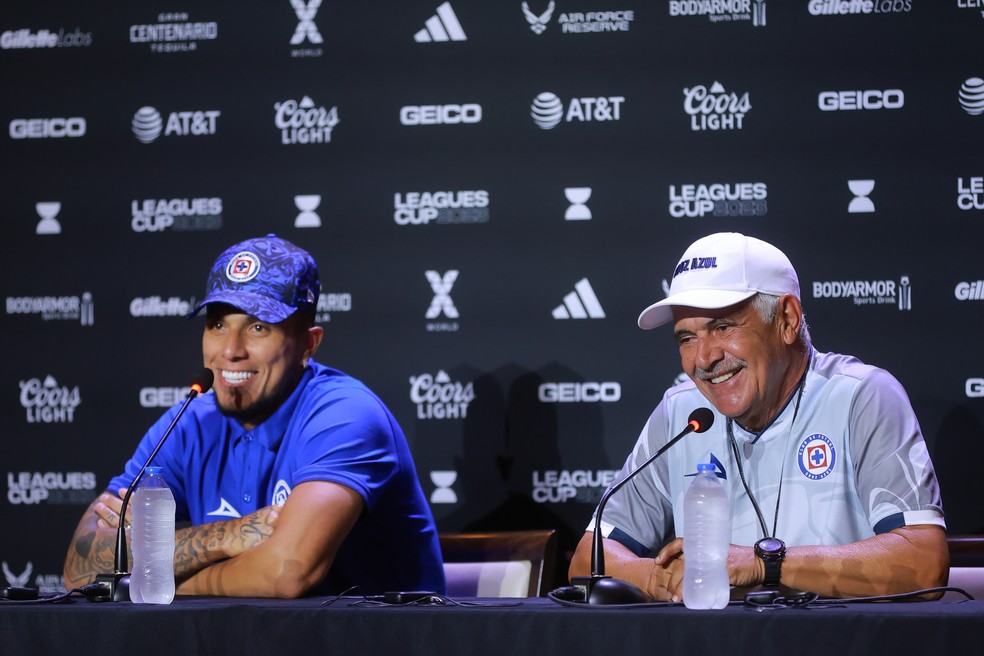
895	475
349	440
640	514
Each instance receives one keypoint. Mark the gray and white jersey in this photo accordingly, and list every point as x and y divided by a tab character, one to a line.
846	464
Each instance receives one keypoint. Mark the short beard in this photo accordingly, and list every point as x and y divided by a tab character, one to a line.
262	408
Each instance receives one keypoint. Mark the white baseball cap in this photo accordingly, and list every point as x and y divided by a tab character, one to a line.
721	270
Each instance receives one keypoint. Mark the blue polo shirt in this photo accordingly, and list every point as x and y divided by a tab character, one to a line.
331	428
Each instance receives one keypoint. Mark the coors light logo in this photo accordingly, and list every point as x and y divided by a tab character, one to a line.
438	397
303	122
715	108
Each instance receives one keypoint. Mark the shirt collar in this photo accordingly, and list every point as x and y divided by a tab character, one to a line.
271	432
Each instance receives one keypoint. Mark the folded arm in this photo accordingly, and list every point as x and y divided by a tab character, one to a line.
903	560
258	559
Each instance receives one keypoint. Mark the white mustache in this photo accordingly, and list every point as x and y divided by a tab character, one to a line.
729	363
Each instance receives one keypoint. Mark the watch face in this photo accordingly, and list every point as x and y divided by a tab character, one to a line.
770	545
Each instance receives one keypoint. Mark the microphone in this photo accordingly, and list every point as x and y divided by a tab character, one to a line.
598	588
116	586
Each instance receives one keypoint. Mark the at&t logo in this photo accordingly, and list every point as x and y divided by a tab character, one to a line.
148	124
548	111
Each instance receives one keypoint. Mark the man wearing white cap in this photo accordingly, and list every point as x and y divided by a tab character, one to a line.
831	486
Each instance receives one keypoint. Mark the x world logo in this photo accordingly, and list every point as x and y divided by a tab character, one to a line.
305	26
442	294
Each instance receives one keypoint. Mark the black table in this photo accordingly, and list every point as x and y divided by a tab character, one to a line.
210	626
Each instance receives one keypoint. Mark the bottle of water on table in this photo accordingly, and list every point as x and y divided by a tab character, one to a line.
706	538
152	540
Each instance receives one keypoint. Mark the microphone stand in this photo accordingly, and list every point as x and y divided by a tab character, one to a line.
116	586
598	588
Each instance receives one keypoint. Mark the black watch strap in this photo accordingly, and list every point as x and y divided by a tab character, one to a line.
773	572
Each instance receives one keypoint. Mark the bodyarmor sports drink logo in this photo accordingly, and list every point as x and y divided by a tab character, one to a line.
727	199
868	292
148	124
176	214
970	193
722	11
329	303
442	303
306	29
55	308
715	108
846	7
47	128
304	123
579	485
440	114
53	488
26	39
48	403
156	306
836	101
548	111
438	397
173	32
442	207
969	291
972	96
586	392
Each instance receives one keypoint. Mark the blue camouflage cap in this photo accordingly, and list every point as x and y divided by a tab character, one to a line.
267	277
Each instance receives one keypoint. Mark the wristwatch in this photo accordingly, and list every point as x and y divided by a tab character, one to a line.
771	551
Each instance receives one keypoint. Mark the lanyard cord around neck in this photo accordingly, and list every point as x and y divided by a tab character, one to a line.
782	470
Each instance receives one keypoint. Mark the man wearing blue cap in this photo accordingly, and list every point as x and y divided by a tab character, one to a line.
832	488
294	477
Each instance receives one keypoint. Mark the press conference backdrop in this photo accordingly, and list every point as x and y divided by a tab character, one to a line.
493	191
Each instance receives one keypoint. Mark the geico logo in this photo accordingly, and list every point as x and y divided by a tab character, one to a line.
161	397
831	101
975	388
415	217
440	114
41	128
142	223
607	392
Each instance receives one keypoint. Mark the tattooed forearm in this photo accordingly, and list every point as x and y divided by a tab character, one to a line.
197	547
89	555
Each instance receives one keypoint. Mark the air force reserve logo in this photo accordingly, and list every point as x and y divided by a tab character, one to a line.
817	456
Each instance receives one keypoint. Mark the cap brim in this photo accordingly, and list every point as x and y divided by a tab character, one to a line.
262	307
660	313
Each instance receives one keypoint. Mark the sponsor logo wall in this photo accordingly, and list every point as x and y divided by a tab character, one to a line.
493	192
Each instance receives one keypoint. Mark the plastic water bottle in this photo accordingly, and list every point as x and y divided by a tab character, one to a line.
152	540
706	538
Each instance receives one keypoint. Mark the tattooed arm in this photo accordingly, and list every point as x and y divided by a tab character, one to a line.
93	547
254	560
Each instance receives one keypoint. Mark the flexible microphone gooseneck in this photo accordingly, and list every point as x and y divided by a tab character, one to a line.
598	588
116	586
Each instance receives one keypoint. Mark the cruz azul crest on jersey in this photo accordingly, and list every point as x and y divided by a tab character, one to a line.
280	493
817	456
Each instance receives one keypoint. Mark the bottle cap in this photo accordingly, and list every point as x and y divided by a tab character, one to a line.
706	466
